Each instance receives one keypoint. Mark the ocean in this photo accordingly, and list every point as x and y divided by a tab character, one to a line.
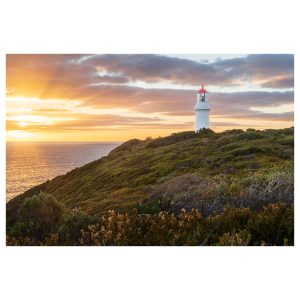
29	164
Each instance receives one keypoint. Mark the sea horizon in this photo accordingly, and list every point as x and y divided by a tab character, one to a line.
31	163
62	142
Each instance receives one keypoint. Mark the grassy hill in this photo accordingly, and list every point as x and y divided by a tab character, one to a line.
139	173
230	188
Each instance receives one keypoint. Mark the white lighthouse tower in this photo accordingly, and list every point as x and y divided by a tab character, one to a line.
202	110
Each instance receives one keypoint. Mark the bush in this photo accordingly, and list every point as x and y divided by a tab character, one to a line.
256	191
287	154
212	196
247	150
174	138
38	216
274	225
70	228
236	227
186	191
240	238
252	134
287	140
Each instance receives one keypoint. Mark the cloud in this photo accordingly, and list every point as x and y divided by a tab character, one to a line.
59	76
107	81
259	65
181	102
90	122
171	102
155	68
276	117
279	82
158	68
236	103
51	110
53	76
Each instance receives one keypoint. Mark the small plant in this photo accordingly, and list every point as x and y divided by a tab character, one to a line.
240	238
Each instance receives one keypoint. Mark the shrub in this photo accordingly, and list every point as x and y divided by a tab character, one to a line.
230	146
252	134
212	196
231	219
233	132
174	138
287	140
240	238
186	191
70	228
39	215
274	225
287	154
163	229
247	150
256	191
236	227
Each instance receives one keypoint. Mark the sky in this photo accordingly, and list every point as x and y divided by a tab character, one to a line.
116	97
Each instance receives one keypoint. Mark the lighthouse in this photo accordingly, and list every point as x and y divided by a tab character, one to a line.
202	110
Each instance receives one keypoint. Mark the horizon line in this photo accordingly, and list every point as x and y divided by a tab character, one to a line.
114	142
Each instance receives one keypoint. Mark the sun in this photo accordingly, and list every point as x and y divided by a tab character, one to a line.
23	124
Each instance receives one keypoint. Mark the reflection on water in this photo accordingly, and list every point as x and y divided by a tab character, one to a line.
29	164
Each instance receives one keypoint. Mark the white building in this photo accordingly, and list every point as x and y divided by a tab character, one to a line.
202	110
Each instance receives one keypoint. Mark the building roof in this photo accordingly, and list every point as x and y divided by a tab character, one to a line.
202	90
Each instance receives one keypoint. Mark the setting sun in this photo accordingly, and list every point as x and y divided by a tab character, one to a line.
23	124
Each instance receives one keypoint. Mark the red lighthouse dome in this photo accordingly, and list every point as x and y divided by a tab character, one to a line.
202	90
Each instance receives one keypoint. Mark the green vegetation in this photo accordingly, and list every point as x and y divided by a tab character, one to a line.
230	188
273	225
39	215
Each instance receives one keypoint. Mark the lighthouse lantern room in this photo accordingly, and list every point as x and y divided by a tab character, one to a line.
202	110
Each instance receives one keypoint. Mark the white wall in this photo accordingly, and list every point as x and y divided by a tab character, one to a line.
201	113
